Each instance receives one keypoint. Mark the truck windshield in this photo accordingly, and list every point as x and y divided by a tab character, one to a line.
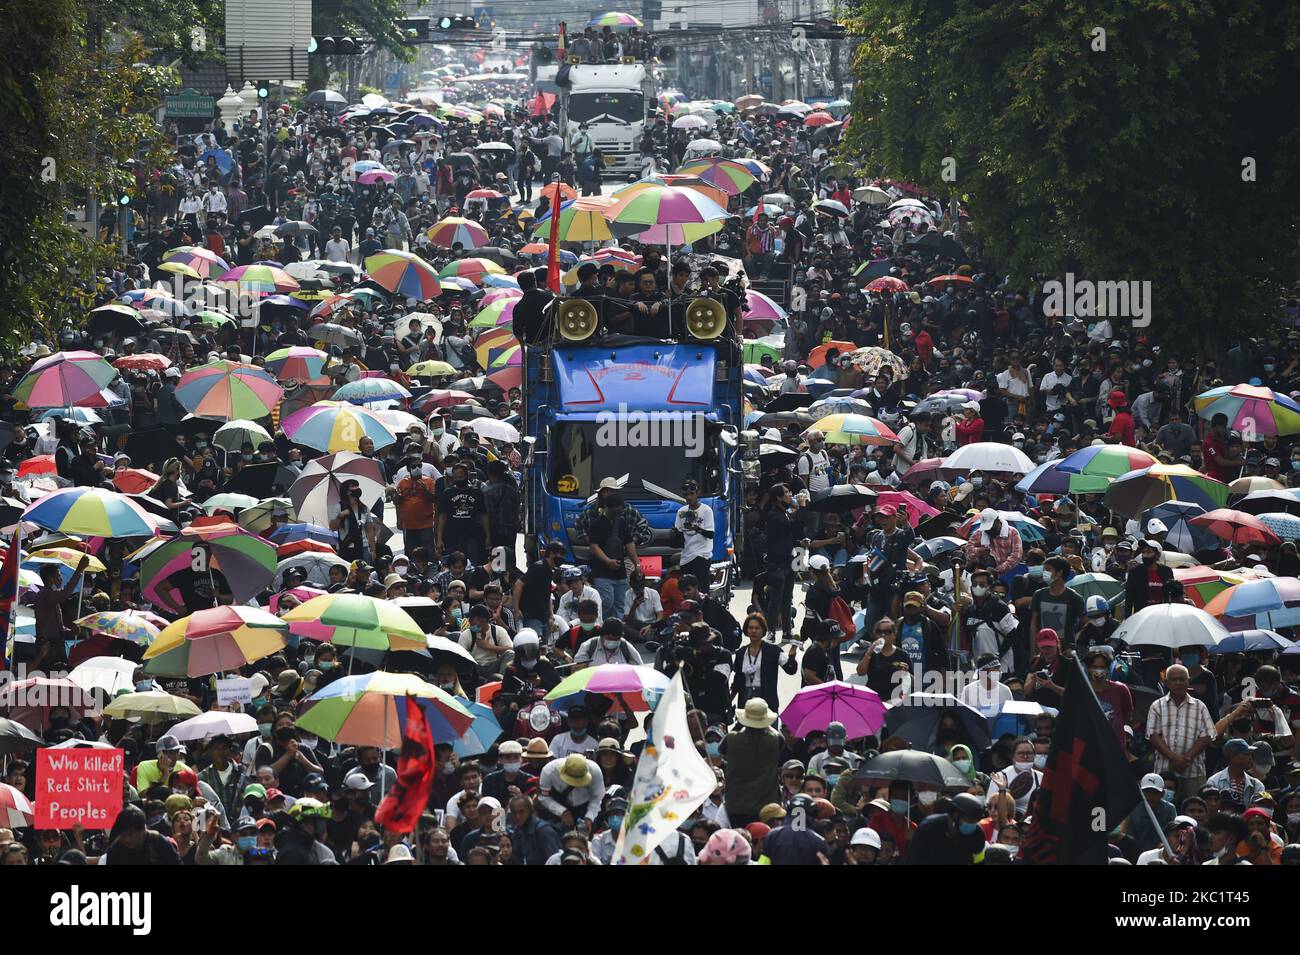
580	458
627	106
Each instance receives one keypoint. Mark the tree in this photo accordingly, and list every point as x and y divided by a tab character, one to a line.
1116	156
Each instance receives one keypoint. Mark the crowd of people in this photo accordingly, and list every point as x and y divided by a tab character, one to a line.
925	569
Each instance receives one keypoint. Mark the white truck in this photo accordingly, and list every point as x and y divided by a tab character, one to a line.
613	100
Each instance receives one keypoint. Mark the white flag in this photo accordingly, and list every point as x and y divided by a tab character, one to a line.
672	780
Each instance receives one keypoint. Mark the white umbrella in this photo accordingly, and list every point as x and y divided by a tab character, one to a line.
109	674
914	203
77	743
989	456
215	723
493	428
395	420
690	121
315	494
232	435
700	146
16	810
315	565
871	195
778	199
795	109
1171	626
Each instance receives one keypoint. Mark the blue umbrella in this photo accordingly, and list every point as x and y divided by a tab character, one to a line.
482	733
1285	526
1250	641
288	533
224	162
1182	535
285	300
1045	479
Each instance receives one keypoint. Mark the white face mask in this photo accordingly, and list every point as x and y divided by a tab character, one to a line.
1023	766
992	676
927	797
1097	621
979	590
512	767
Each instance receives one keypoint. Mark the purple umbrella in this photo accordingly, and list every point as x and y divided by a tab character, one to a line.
859	708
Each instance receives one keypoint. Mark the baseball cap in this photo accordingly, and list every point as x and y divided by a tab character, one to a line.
1234	746
913	599
836	730
1048	637
1153	781
886	510
357	781
818	562
988	517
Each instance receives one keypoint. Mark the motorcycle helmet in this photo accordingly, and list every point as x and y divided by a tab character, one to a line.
1097	606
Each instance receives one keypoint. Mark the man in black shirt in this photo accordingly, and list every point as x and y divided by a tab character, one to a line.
532	593
782	526
462	516
612	541
649	308
530	320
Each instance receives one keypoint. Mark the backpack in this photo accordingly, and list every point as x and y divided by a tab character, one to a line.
679	858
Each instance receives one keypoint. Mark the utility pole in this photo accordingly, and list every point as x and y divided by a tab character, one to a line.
798	57
835	68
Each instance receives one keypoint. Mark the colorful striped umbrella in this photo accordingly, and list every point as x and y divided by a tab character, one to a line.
297	362
664	205
145	361
1202	584
1253	641
1236	527
359	621
1046	479
214	641
615	20
492	280
260	277
730	176
246	561
456	229
1136	491
1253	410
404	273
1103	463
137	626
581	220
1271	603
366	390
369	709
491	344
1182	534
89	512
853	429
499	294
636	688
16	810
472	268
196	261
762	308
500	312
336	426
225	390
66	379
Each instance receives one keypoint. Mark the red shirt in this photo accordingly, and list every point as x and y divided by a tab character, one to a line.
1122	425
1213	450
969	432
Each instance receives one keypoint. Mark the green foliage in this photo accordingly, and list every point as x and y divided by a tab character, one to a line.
1122	164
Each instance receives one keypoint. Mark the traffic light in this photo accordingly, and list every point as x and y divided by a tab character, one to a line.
462	22
335	45
415	29
263	89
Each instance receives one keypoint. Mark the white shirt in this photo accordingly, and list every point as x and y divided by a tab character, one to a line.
651	605
215	201
988	700
815	469
1050	380
568	608
337	250
1014	385
426	470
453	805
190	205
691	522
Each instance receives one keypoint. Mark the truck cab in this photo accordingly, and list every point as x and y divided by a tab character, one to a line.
612	99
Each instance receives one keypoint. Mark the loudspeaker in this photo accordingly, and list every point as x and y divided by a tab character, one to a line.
577	320
705	318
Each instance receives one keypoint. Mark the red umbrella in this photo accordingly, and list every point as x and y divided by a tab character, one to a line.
923	472
300	547
887	283
32	699
134	480
819	118
40	464
939	280
147	361
541	104
442	399
916	508
507	378
1236	527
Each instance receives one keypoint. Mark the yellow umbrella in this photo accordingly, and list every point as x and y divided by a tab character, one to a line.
69	558
492	343
430	369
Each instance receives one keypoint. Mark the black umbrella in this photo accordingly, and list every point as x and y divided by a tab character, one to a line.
842	497
936	547
502	257
938	526
468	412
939	404
16	738
152	505
255	480
10	511
913	766
936	243
151	448
780	419
463	159
790	401
396	144
295	227
258	216
916	718
1269	502
116	319
326	98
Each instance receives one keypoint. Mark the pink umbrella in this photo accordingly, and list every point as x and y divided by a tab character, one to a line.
762	308
859	708
916	508
923	472
33	698
16	810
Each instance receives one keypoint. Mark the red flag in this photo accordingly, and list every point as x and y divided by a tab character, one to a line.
553	245
560	44
8	596
402	806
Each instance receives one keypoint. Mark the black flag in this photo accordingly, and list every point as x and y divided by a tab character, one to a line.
1087	788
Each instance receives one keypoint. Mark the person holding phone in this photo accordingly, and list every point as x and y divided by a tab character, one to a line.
354	524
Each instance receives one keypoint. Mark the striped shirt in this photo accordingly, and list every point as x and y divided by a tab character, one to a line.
1180	725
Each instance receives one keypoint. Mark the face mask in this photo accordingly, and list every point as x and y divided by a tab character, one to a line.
247	457
1293	819
1040	760
1098	675
1190	659
307	743
1018	444
963	765
155	820
979	590
1022	766
713	749
832	779
1037	573
977	481
578	733
588	627
264	729
247	843
448	686
1269	367
992	676
927	798
615	822
898	806
1168	796
144	686
325	665
512	767
967	828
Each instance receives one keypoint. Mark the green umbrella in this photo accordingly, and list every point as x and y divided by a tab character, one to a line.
1097	585
354	620
754	352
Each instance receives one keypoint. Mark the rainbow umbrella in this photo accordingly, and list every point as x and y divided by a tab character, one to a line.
89	512
762	308
359	621
336	426
615	20
137	626
369	709
1251	409
483	732
729	175
260	277
473	269
66	379
499	312
215	640
195	261
225	390
457	284
1045	479
1136	491
508	357
1236	527
508	282
1102	463
637	688
297	362
404	273
1202	584
365	390
1271	603
492	343
497	294
455	229
246	561
853	429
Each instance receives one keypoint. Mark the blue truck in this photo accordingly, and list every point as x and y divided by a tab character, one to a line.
649	413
